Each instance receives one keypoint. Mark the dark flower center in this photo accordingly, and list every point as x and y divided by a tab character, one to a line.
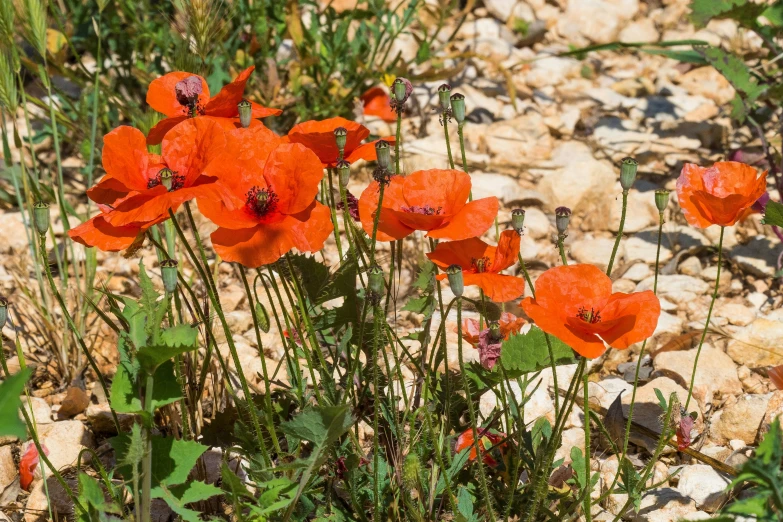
592	316
168	178
480	264
425	210
261	201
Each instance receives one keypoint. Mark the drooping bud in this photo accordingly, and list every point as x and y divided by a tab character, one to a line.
518	220
41	217
343	172
168	271
166	178
383	153
245	113
458	107
340	137
661	200
562	218
456	282
444	96
628	169
3	311
262	317
375	285
402	89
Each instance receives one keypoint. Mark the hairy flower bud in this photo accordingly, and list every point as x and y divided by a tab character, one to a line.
458	107
562	218
343	172
41	217
168	271
245	113
518	220
628	169
383	153
3	311
411	469
444	96
340	138
262	317
661	200
456	282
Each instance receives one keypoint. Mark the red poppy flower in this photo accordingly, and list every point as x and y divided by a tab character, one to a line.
509	324
776	376
318	136
377	102
481	264
182	95
27	465
277	210
718	195
98	232
154	185
575	304
492	458
432	200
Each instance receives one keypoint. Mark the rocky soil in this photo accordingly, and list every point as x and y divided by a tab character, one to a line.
544	131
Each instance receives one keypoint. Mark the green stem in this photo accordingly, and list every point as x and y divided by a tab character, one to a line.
588	485
448	143
561	248
333	213
709	316
397	143
146	463
376	410
619	234
375	220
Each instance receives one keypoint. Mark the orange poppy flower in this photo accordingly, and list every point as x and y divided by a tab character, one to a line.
432	200
718	195
182	95
509	324
98	232
481	264
318	136
575	304
277	210
377	102
776	376
492	454
152	184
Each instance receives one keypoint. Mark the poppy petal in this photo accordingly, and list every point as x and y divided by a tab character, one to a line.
367	151
293	172
97	232
107	191
217	212
447	190
389	227
418	221
148	206
189	147
639	312
460	253
566	289
162	96
507	251
159	131
724	211
319	137
259	111
125	157
587	345
472	220
377	102
241	164
497	287
731	177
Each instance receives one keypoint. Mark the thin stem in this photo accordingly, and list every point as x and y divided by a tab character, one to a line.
445	117
376	218
376	409
333	213
619	234
588	485
397	143
561	248
709	315
146	463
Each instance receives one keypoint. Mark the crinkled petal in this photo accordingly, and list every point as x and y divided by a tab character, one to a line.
460	253
147	206
389	227
377	102
190	146
162	97
472	220
159	131
636	317
447	190
565	289
507	251
294	173
97	232
497	287
319	137
367	151
587	345
125	158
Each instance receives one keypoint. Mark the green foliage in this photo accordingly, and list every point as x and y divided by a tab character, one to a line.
10	390
773	214
526	353
702	11
93	499
174	341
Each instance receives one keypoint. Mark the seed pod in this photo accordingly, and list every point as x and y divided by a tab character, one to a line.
340	137
343	172
3	311
41	217
262	317
166	178
383	153
245	113
518	220
168	271
458	107
456	283
402	89
661	200
628	169
562	218
444	96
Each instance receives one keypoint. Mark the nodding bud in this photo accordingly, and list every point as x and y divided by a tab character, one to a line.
3	311
245	113
628	169
41	217
402	89
456	283
518	220
168	271
166	178
340	137
458	107
661	200
375	282
444	96
343	172
383	153
562	218
262	317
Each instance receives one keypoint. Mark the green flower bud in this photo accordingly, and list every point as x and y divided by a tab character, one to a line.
340	137
262	317
456	283
562	218
444	96
168	271
343	172
518	220
166	178
661	200
383	153
3	311
628	170
458	107
41	217
375	282
245	113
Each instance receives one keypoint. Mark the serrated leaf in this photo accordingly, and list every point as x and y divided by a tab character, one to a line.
134	450
232	483
10	390
773	214
124	393
177	497
578	465
526	353
172	460
702	11
734	70
174	341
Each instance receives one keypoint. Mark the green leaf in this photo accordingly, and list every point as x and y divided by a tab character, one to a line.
177	497
124	393
526	353
232	484
175	341
661	399
172	460
734	70
458	462
773	214
702	11
578	465
10	391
